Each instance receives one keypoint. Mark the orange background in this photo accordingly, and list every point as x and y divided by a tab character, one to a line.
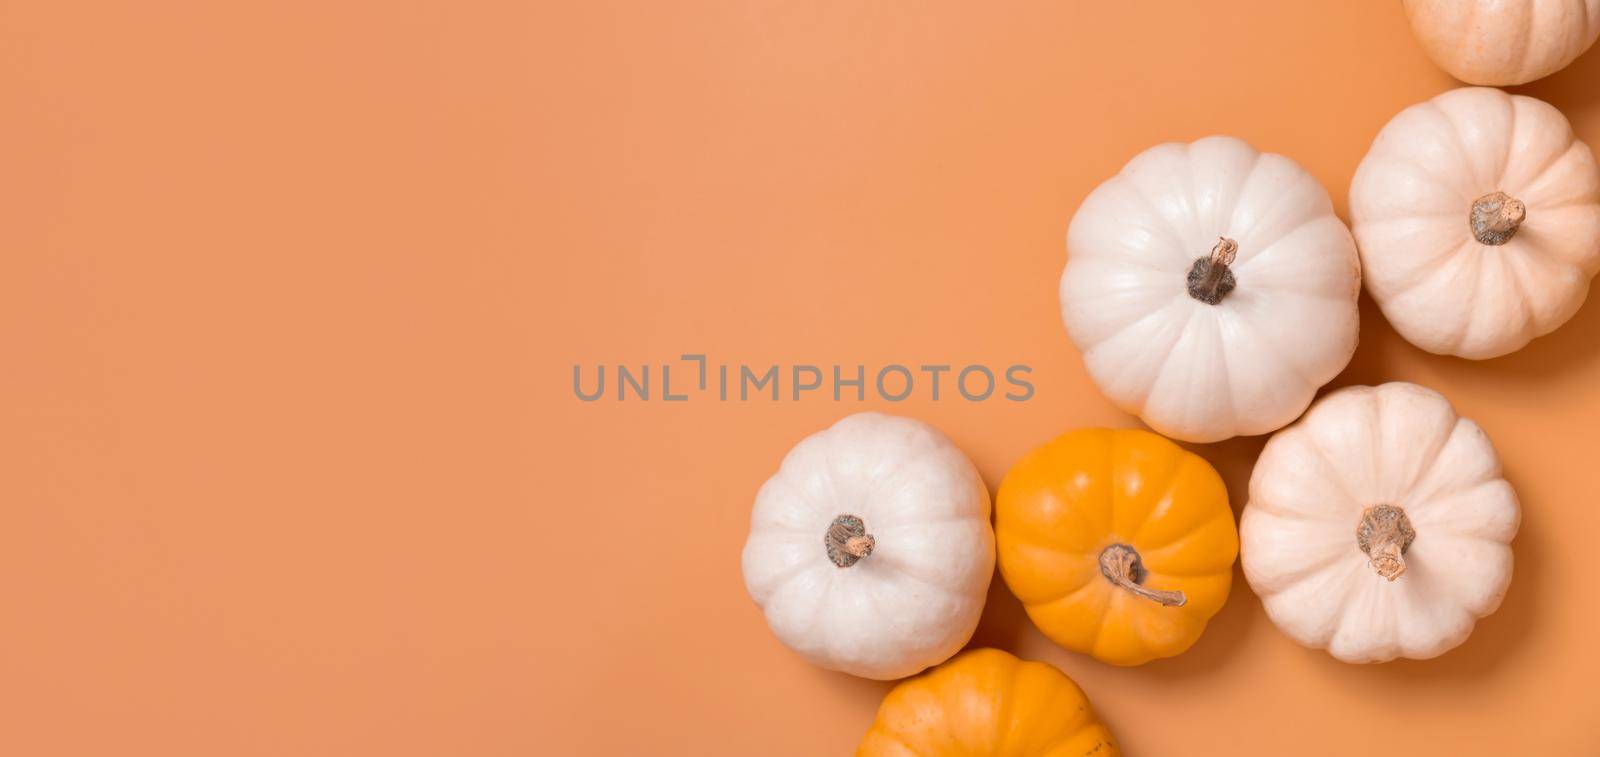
291	292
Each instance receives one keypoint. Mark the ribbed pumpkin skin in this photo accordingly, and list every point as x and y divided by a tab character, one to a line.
1503	42
1411	199
1069	500
1248	363
987	703
1397	444
916	600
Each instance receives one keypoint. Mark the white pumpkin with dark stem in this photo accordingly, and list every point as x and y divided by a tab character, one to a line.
1477	214
1379	525
870	550
1211	289
1504	42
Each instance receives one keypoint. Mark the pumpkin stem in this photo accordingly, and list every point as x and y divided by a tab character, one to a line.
1495	218
1385	533
1209	278
1120	564
847	540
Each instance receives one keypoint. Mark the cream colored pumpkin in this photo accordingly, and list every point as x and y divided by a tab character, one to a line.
1211	289
1504	42
1379	525
1477	214
870	550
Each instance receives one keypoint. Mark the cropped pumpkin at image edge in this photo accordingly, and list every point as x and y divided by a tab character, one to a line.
1212	292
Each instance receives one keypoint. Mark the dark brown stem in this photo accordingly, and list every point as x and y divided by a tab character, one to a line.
1121	565
1495	218
847	540
1210	279
1384	534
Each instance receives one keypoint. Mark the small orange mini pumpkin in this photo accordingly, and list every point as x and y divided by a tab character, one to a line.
985	702
1119	543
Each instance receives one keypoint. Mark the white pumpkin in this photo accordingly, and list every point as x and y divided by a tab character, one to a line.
1379	525
1477	214
870	550
1208	345
1503	42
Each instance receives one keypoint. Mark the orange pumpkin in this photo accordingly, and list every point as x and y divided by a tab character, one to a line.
986	702
1119	543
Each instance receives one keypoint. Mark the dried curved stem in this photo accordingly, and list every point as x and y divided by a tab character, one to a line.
1121	565
1210	279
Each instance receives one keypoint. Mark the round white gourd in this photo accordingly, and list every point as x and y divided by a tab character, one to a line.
1477	214
1503	42
1379	525
1208	345
870	550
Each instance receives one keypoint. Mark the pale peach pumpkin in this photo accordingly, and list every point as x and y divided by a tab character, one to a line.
1477	216
1504	42
1379	525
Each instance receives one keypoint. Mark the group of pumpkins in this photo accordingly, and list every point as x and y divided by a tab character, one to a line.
1378	524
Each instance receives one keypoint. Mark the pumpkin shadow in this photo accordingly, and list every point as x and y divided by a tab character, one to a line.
1234	460
1004	623
1370	365
1570	89
1224	636
1572	346
846	686
864	696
